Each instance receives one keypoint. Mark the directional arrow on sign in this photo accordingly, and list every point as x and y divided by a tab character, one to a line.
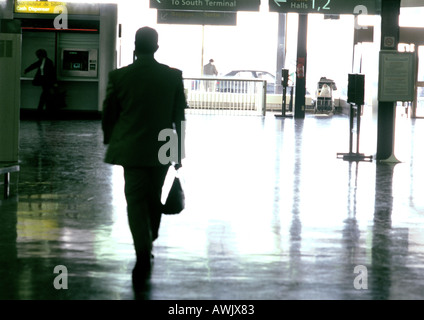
277	2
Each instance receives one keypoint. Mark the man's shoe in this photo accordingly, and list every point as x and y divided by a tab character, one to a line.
141	272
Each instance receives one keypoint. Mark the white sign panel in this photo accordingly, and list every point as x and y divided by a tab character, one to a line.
397	76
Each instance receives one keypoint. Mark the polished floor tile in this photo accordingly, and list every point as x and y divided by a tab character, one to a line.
272	214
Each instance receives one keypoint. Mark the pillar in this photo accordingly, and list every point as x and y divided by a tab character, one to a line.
281	51
299	109
390	11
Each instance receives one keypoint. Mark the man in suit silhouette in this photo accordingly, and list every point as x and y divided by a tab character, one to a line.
143	99
44	77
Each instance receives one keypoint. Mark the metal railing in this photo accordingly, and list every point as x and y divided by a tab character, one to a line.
223	96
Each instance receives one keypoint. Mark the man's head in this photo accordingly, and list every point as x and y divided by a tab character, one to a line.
146	41
41	54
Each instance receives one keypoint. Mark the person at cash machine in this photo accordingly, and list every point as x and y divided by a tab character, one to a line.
44	77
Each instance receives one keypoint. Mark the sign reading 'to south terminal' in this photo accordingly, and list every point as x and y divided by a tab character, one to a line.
197	17
325	6
206	5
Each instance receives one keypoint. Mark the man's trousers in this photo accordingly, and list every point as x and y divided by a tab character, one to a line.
143	190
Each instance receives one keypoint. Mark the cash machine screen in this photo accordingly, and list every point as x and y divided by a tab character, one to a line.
75	60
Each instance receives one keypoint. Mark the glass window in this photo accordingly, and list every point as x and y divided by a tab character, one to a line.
421	63
420	102
245	75
266	76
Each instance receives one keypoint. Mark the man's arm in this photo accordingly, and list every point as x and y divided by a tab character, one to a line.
180	105
33	66
111	110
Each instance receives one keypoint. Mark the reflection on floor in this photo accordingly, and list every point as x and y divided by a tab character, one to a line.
271	214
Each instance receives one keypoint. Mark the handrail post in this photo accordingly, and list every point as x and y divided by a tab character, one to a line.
264	86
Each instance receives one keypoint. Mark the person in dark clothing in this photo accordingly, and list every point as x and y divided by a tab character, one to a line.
44	77
142	100
209	70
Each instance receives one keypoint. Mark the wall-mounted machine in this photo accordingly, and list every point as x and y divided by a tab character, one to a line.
83	53
78	63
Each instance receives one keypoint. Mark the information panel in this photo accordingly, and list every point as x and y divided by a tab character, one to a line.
325	6
22	6
55	7
206	5
397	76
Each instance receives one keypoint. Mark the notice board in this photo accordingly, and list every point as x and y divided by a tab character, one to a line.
397	76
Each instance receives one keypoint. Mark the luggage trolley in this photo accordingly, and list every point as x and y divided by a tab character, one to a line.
324	95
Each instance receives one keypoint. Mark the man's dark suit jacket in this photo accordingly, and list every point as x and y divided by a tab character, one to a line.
49	77
142	99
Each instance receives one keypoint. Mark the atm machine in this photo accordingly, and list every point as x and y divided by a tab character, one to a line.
84	51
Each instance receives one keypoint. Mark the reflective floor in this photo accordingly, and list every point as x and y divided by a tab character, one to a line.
272	214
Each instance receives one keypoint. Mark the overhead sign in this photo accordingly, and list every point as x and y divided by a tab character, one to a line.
37	6
197	17
206	5
325	6
55	7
